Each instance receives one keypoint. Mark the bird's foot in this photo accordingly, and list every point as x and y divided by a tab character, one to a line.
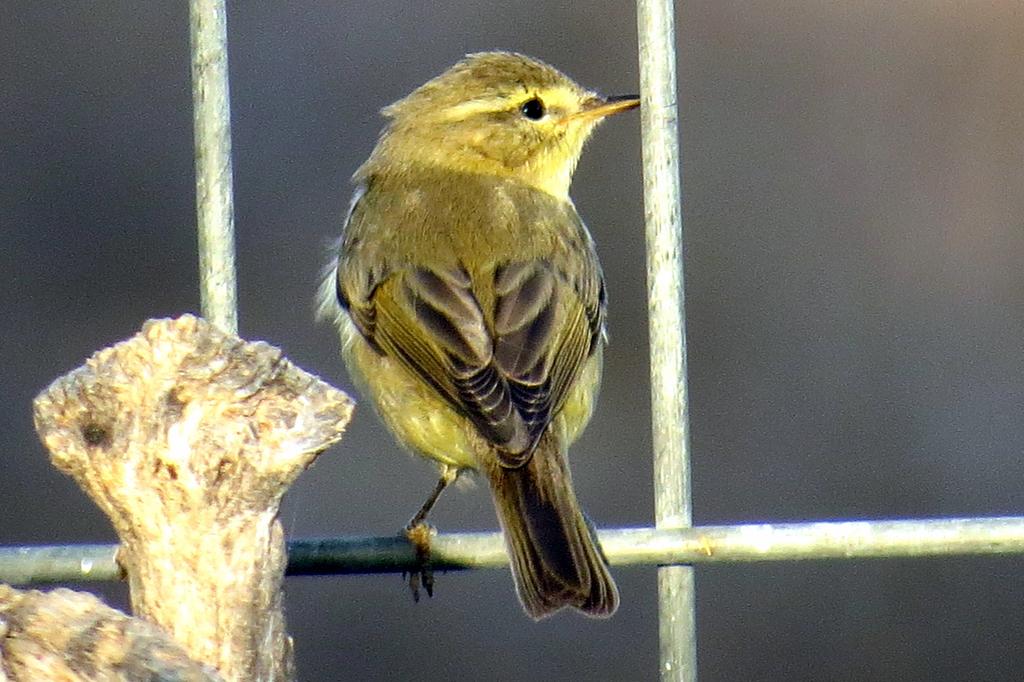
419	533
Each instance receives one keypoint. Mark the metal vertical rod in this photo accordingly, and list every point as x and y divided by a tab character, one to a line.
670	419
214	201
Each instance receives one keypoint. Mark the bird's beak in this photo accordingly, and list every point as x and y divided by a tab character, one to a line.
598	107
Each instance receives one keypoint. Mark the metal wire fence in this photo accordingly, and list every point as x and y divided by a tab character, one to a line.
673	545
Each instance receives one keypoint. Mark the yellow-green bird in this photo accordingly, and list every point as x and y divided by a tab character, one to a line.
471	303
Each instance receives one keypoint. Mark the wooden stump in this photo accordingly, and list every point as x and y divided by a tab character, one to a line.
187	438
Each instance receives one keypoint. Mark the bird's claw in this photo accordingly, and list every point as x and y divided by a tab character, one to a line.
419	534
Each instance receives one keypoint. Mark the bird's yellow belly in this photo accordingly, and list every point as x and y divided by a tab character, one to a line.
415	413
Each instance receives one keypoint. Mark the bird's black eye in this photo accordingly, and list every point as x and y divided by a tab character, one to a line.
533	109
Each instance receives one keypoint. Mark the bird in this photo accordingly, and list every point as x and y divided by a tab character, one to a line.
471	305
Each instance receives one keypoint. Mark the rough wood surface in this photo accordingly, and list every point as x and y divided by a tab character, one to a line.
187	438
65	636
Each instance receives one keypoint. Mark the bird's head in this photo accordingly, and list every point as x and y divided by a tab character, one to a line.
497	113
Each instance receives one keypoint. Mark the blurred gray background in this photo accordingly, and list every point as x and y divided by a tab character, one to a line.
854	181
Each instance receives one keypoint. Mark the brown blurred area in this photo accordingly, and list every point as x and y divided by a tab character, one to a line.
854	207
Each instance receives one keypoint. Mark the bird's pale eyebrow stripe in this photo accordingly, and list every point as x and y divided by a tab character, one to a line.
471	107
557	98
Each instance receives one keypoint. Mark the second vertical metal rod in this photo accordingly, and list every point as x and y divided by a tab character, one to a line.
671	433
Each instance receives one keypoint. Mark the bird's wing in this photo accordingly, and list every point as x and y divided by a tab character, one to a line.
508	369
546	325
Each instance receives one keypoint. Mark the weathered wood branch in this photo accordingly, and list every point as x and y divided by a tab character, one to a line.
73	637
187	438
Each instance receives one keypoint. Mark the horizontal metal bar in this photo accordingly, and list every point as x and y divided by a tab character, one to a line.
624	547
41	565
817	540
